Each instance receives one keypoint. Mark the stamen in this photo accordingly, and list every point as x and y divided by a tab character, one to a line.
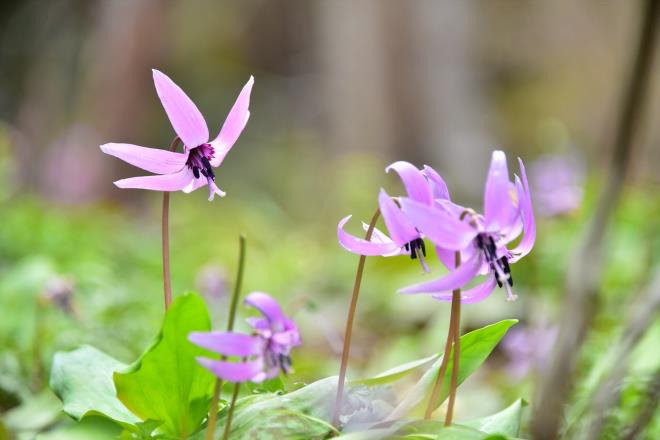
196	172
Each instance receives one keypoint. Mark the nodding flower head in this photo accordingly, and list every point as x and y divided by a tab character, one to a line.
263	354
193	168
480	241
404	238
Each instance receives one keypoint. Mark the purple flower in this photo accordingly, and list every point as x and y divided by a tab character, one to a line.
528	348
480	239
263	354
422	186
558	182
193	168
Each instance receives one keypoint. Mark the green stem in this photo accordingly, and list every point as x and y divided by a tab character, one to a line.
167	283
453	335
230	414
456	311
213	413
349	324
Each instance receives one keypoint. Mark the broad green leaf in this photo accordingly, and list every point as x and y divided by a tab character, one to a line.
82	379
166	383
396	373
92	427
476	346
505	422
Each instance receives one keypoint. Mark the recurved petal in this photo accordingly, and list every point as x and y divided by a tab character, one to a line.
268	307
444	230
159	182
360	246
473	295
153	160
527	212
184	115
234	371
398	225
438	185
234	124
453	280
497	198
416	185
227	343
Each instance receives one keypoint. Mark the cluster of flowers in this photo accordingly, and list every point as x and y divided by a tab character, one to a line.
469	244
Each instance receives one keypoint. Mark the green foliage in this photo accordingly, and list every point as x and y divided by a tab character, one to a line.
475	348
166	383
83	381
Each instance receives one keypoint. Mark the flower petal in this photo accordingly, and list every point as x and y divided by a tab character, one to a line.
184	115
497	199
416	185
153	160
447	257
234	371
453	280
268	307
234	124
527	213
213	190
438	185
398	225
441	228
473	295
377	236
360	246
160	182
228	344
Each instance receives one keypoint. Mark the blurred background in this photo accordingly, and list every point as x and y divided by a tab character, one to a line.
342	89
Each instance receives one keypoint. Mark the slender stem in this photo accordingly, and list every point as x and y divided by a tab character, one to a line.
167	283
437	387
349	324
230	414
213	412
456	311
236	294
453	335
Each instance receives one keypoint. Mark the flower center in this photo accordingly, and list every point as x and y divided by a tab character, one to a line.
279	360
417	250
499	266
199	161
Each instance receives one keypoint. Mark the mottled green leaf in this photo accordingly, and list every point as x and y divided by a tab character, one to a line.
505	422
397	373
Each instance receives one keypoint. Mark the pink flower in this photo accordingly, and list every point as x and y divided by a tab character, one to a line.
193	168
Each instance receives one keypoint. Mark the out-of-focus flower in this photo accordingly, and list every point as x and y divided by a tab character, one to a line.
528	348
193	168
263	354
211	281
558	183
404	238
481	240
59	291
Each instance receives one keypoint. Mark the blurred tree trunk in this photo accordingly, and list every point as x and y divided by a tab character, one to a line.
449	101
354	76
